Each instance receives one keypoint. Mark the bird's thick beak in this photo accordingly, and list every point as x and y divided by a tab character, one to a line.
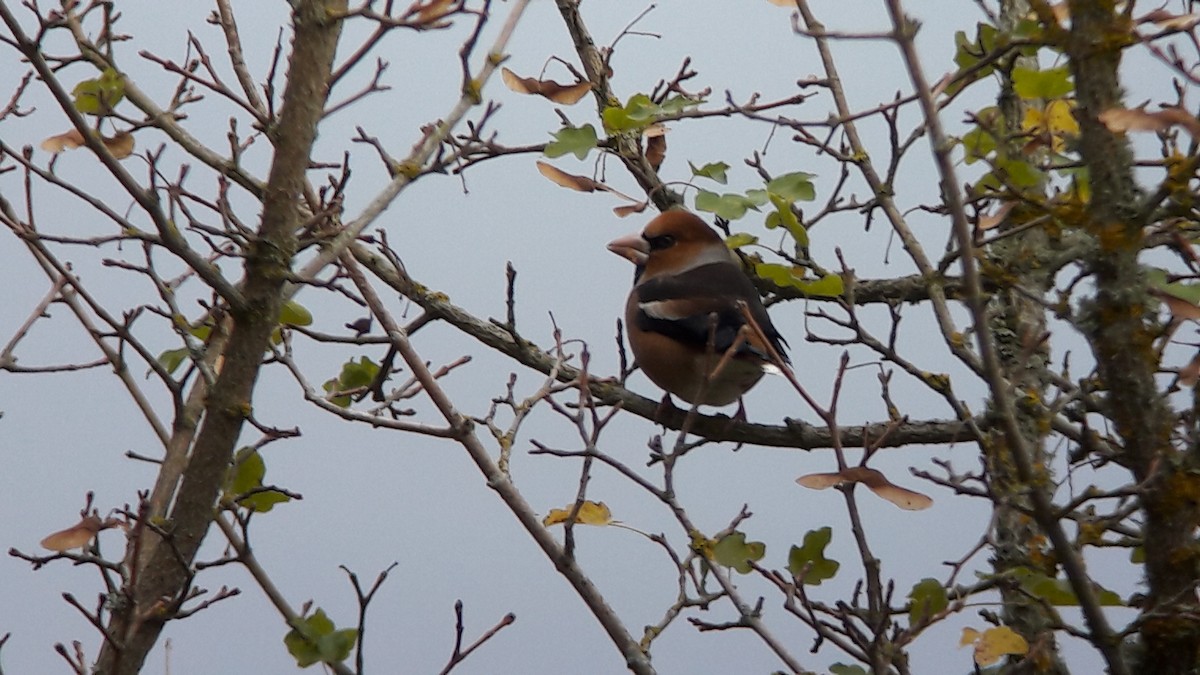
632	247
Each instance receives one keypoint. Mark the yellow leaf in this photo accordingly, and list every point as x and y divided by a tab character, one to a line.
969	636
590	513
1060	118
993	643
1051	126
997	642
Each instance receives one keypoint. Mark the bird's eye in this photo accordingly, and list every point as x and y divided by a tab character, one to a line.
661	241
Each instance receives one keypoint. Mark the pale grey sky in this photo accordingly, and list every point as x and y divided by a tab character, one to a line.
373	497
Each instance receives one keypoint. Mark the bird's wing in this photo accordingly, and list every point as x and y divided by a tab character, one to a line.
681	306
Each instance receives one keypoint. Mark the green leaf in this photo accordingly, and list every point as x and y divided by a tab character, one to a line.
245	476
740	239
1030	83
810	559
1138	555
843	669
734	551
783	217
927	597
677	104
248	472
354	374
1058	592
358	373
1157	278
1019	173
793	187
264	501
828	286
758	197
294	314
714	170
578	141
173	358
987	184
98	96
978	143
785	276
316	640
729	206
331	386
638	113
968	53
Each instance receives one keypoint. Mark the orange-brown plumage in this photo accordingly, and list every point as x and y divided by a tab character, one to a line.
685	312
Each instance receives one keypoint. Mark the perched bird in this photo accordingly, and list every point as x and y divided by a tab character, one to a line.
683	313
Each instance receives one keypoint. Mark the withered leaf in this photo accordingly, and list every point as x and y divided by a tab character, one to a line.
429	14
1168	21
630	209
119	146
1121	120
77	536
1189	375
570	180
566	94
875	481
1179	308
989	221
656	145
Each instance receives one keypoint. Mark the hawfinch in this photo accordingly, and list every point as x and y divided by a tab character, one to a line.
683	313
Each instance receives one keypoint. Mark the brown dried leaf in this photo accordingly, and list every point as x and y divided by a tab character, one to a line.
566	94
1179	308
630	209
1189	375
656	150
1061	12
68	140
120	146
429	14
909	500
874	481
1121	120
820	481
988	222
76	536
783	3
1169	21
570	180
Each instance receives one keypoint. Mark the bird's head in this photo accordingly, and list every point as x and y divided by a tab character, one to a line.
673	242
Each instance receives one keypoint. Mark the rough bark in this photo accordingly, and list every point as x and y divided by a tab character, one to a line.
161	577
1121	328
